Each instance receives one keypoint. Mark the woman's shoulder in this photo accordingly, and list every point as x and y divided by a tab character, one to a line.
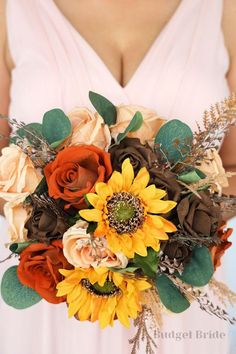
229	25
229	30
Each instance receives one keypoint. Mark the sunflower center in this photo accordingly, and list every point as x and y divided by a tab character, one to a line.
107	290
125	212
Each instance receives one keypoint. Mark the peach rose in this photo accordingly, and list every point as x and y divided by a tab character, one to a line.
83	251
18	176
17	215
88	128
212	166
151	122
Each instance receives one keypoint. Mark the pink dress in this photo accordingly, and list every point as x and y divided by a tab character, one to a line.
182	74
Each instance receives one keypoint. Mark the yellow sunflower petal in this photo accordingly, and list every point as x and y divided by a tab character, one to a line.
95	201
127	174
85	310
142	285
91	214
139	246
148	193
140	181
116	182
167	225
123	313
103	190
160	206
95	308
154	220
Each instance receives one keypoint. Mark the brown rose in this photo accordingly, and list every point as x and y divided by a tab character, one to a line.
140	155
176	252
166	180
88	128
199	217
218	251
74	173
39	269
45	223
151	122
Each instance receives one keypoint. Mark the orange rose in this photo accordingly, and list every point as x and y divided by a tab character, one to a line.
39	269
218	251
75	171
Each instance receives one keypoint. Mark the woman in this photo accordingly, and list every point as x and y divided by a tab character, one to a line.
171	56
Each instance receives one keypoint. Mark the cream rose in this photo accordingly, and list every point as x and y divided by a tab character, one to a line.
151	122
81	250
212	166
18	176
88	128
17	216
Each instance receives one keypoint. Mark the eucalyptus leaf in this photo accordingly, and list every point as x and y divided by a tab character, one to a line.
200	269
14	293
18	247
173	141
148	264
29	131
56	127
192	176
124	270
170	295
134	125
104	107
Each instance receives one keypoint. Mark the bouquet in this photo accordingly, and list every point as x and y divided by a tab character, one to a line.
118	213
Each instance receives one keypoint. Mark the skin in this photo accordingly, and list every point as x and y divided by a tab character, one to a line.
122	42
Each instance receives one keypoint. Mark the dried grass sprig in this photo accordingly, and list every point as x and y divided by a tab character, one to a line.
222	292
203	300
142	334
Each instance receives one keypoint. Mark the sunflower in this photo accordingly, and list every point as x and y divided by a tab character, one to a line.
98	294
125	210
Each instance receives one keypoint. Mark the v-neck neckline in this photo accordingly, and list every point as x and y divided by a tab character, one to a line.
93	52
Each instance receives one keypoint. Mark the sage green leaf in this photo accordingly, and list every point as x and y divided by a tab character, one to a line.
14	293
170	295
42	187
56	127
104	107
18	247
124	270
148	264
192	176
30	131
200	269
134	125
174	140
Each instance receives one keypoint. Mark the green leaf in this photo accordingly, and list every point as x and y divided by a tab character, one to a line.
192	176
174	140
42	187
14	293
56	127
104	107
200	269
18	247
124	270
170	295
29	131
148	264
134	125
91	227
